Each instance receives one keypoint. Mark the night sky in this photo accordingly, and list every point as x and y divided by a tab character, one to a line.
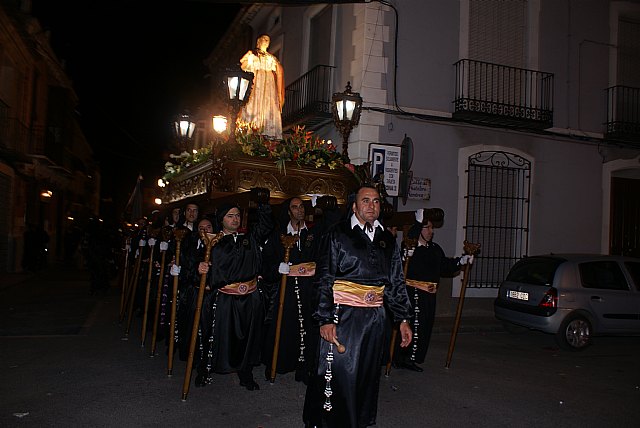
134	65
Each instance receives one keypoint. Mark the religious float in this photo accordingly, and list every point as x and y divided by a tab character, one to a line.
300	165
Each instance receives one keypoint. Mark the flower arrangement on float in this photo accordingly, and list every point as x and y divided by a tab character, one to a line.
300	146
184	160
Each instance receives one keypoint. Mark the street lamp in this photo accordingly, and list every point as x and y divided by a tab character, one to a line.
184	127
346	114
238	84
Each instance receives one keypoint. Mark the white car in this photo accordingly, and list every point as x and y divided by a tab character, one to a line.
574	296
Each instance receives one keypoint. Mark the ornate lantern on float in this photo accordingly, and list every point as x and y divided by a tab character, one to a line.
347	106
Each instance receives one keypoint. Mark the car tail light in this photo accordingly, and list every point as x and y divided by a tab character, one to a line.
550	299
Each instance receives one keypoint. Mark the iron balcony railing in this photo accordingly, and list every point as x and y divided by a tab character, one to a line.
14	135
623	113
308	99
503	95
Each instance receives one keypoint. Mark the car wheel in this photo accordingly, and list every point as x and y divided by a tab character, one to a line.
574	333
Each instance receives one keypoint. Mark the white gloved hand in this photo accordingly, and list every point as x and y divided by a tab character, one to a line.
409	253
142	243
314	198
152	242
465	259
164	246
419	215
284	269
175	270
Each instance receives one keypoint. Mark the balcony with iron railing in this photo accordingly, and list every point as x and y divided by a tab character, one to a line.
623	114
502	95
14	135
308	99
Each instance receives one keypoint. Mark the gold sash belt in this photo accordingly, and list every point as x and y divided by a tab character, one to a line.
240	288
354	294
303	269
429	287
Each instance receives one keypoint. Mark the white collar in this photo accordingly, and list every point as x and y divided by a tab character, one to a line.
354	222
293	231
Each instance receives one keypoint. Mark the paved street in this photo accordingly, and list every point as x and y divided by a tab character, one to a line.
66	362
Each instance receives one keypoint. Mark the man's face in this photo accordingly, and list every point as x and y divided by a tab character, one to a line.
175	215
191	213
205	226
367	205
231	221
296	211
427	232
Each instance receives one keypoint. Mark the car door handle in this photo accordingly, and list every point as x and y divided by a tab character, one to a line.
597	298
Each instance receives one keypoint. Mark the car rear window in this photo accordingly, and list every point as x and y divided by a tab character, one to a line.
534	271
604	275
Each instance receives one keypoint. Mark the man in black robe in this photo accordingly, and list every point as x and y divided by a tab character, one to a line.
192	253
426	265
238	307
360	273
298	335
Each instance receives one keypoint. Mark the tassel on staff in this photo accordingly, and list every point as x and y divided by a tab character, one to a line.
288	241
410	244
209	240
178	234
153	234
165	235
134	284
124	271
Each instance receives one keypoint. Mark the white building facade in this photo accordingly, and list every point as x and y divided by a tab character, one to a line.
523	115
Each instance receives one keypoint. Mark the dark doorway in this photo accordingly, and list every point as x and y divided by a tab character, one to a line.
625	217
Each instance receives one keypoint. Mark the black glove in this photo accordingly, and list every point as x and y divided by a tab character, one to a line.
260	195
327	202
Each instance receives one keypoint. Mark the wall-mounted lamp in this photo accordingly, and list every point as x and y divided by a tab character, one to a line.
46	195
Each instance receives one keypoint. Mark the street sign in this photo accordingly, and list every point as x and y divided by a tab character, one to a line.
385	162
420	188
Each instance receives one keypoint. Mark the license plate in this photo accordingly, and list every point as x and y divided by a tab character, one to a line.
520	295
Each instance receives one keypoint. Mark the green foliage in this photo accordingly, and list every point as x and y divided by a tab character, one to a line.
299	146
185	160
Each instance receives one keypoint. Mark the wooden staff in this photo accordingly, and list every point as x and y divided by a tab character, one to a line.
410	244
153	234
209	240
178	234
123	278
471	249
339	346
288	241
166	234
134	284
126	284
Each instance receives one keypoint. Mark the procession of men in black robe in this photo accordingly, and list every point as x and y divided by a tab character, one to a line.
311	297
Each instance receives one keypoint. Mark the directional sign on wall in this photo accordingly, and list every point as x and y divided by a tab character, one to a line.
420	188
385	161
